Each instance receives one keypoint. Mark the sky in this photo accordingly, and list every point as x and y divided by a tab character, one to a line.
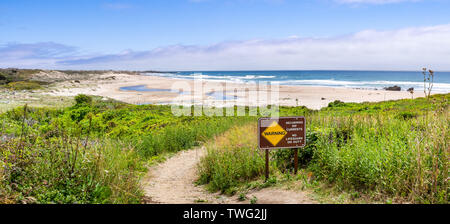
174	35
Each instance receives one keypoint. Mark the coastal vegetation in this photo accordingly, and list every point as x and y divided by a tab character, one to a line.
96	150
394	150
19	79
27	79
15	75
92	152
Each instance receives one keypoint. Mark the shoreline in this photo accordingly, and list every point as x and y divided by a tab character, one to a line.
313	97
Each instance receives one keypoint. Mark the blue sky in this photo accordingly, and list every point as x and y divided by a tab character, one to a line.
227	34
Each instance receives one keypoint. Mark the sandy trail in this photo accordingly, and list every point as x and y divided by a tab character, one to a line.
172	182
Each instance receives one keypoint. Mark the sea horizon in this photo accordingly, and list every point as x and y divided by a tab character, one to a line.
359	79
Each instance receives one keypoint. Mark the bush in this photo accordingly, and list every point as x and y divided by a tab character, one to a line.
405	115
284	158
336	103
24	85
79	113
82	99
3	79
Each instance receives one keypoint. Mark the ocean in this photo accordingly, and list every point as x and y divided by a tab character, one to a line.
348	79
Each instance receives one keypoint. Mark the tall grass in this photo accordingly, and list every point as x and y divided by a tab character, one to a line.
231	158
395	149
67	169
182	136
402	158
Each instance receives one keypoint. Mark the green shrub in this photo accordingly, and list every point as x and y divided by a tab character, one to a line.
79	113
336	103
3	79
406	115
82	99
24	85
284	158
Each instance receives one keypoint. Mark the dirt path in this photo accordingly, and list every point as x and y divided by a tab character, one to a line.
172	182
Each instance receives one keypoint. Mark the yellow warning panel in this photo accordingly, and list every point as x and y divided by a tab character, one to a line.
274	133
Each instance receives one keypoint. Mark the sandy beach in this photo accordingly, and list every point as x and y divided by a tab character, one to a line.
156	90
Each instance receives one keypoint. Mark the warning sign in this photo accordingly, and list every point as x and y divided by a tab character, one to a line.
282	132
274	133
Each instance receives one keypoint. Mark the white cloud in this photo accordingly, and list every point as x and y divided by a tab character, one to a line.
42	55
403	49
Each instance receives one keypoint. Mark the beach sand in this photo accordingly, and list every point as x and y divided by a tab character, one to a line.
109	84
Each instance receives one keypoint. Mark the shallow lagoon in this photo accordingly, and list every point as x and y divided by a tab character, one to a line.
143	88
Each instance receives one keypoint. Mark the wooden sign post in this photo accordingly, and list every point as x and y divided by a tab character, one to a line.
281	132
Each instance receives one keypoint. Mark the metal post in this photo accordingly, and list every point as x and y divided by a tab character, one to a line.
267	164
295	161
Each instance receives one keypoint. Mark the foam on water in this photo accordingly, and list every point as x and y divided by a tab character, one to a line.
349	79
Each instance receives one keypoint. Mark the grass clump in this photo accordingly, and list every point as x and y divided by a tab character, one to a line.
231	159
82	99
24	85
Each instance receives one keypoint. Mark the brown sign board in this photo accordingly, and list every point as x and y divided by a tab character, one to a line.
281	132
